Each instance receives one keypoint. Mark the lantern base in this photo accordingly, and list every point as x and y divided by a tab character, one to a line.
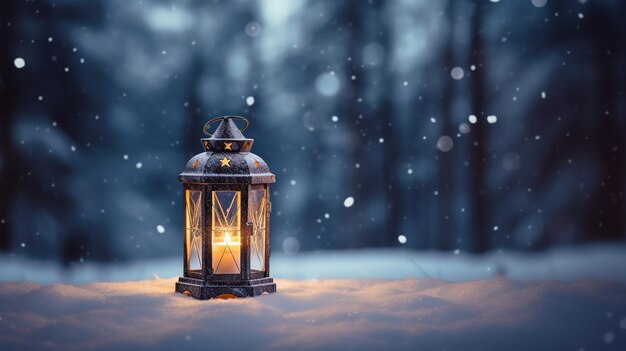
239	288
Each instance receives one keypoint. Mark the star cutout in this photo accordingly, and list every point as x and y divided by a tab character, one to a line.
227	146
257	164
225	162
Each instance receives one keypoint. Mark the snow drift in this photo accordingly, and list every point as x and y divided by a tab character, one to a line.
364	314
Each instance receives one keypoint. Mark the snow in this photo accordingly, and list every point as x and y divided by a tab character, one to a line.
348	202
250	100
599	262
539	3
464	128
19	62
160	229
253	29
570	298
291	246
327	84
457	73
445	143
409	314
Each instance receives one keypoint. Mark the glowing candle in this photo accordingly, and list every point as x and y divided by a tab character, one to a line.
227	256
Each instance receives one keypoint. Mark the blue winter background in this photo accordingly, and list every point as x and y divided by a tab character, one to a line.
460	125
452	140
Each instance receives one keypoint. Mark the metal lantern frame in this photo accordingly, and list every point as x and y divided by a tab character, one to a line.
226	167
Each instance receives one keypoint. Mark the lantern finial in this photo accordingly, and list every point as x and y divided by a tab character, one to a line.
227	129
227	136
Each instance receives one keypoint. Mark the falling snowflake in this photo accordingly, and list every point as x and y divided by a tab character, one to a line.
445	143
457	73
348	202
253	29
250	100
539	3
19	62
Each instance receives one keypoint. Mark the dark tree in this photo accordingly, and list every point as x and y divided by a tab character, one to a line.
609	212
478	151
9	172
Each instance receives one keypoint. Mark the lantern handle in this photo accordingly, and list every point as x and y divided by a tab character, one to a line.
207	124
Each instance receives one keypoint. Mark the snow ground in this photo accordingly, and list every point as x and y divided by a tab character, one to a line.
346	314
600	262
567	299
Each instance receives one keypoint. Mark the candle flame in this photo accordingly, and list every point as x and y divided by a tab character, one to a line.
227	238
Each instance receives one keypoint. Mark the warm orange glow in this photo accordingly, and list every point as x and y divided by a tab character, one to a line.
226	296
226	232
193	228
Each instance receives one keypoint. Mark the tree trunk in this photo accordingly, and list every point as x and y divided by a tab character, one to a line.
609	205
8	98
478	136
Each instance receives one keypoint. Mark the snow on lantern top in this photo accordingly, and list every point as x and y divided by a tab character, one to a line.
227	157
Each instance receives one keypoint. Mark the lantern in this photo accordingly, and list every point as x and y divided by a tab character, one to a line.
226	246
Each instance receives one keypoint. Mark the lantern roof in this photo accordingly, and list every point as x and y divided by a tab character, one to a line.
227	137
227	157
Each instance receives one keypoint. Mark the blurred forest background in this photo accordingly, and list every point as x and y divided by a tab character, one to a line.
453	125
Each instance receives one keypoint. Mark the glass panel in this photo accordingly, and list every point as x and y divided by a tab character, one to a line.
257	208
193	228
226	232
